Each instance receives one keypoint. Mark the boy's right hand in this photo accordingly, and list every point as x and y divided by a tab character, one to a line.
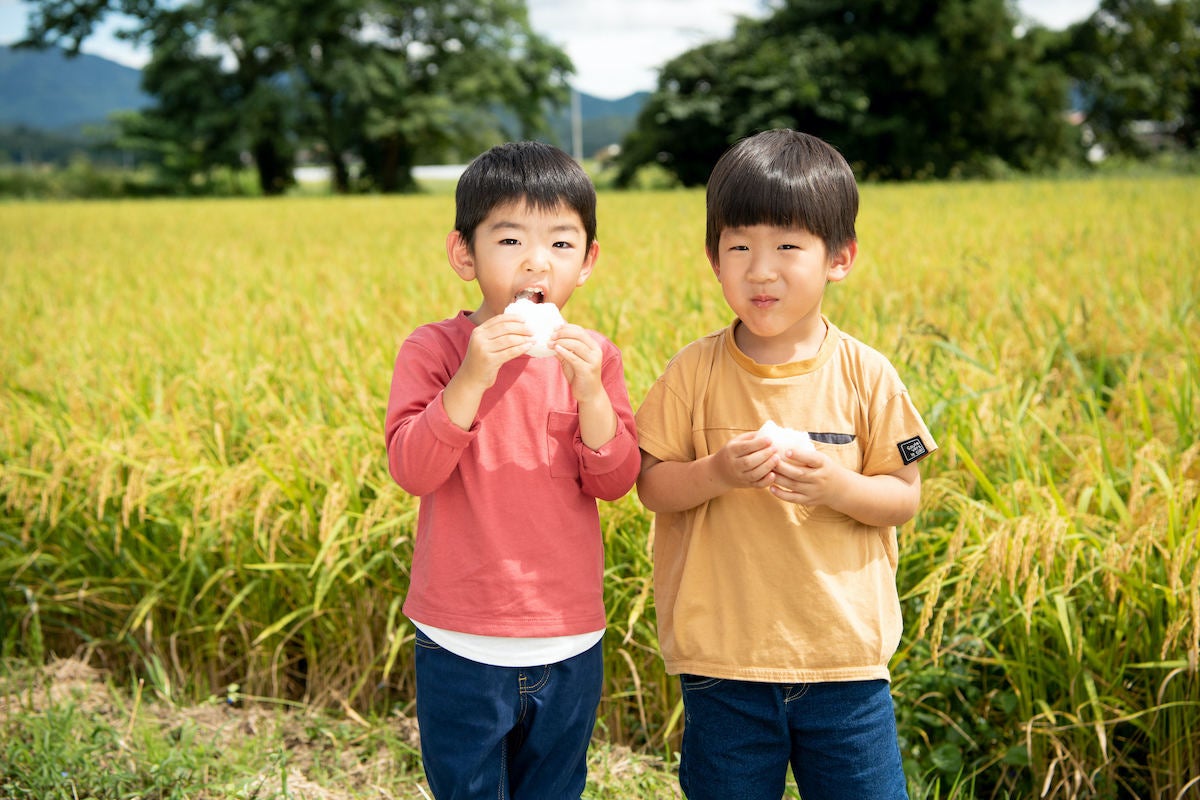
492	345
747	461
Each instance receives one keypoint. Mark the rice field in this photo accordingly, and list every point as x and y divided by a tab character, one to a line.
194	492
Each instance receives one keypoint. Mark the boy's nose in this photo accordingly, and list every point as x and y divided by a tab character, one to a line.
537	261
761	271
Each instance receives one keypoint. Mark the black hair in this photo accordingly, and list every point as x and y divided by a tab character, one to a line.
786	178
541	175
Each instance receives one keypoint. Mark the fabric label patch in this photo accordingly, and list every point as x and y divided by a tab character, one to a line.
912	449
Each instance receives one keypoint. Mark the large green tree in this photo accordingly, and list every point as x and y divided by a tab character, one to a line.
905	88
372	84
1135	62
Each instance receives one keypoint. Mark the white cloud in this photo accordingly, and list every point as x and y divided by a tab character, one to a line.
1057	14
617	47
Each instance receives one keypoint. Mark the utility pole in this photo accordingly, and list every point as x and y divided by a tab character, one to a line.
576	126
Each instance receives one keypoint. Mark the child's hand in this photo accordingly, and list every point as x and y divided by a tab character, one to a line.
492	345
807	477
747	461
582	361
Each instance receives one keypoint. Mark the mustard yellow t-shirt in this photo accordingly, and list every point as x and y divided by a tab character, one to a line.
748	586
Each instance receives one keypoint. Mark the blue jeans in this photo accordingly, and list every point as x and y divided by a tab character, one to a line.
505	732
739	737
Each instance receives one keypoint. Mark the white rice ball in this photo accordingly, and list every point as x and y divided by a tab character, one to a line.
542	319
786	438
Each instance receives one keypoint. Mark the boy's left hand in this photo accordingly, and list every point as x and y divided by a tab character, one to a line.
807	477
582	361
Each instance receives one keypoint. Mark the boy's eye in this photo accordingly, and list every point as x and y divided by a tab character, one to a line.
509	241
738	247
562	245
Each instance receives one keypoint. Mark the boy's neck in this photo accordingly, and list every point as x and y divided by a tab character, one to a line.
804	345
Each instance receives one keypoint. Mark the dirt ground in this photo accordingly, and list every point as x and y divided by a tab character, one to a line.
355	759
230	729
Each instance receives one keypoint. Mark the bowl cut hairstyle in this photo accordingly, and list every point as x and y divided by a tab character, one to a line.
784	178
541	175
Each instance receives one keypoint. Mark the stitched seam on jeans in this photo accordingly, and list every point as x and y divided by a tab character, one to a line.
699	683
503	769
541	684
795	692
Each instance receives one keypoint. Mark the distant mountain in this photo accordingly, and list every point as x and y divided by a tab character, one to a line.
47	90
604	122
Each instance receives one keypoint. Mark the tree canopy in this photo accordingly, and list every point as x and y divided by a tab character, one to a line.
919	88
369	84
1135	64
905	88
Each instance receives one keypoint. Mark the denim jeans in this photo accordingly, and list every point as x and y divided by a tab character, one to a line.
739	737
505	733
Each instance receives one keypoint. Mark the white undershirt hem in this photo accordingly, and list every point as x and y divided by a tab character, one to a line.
511	651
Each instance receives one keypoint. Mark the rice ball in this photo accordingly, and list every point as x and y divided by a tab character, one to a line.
542	319
786	438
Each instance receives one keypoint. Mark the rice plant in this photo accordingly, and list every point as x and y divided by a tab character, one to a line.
194	491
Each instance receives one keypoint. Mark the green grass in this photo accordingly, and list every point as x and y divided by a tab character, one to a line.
193	491
67	733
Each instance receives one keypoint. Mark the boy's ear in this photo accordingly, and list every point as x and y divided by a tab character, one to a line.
589	263
841	262
713	262
462	260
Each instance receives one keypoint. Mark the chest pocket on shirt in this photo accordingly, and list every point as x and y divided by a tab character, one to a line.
843	449
560	439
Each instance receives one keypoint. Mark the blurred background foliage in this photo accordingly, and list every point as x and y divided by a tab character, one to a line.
915	90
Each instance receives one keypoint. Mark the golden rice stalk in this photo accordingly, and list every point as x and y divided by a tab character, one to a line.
332	520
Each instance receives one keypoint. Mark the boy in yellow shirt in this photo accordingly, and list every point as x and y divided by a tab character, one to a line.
775	564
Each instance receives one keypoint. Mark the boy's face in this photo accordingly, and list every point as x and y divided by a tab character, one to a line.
774	278
520	251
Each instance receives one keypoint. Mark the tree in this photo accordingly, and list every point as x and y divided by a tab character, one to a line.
924	88
216	108
377	82
1135	62
682	125
423	79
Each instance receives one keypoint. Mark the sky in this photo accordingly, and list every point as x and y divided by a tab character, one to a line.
617	46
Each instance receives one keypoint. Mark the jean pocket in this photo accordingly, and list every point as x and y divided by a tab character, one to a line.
698	683
421	640
561	427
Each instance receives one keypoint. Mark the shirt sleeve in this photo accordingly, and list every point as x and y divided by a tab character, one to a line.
899	436
423	444
664	419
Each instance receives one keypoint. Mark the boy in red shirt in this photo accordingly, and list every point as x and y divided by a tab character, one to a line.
509	454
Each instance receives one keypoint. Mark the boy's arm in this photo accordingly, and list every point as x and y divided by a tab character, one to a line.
423	444
597	421
608	453
430	416
582	361
812	478
493	344
745	462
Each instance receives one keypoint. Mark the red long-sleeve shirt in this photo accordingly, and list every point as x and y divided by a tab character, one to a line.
508	536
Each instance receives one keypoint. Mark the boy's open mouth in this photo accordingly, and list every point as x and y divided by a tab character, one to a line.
532	295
